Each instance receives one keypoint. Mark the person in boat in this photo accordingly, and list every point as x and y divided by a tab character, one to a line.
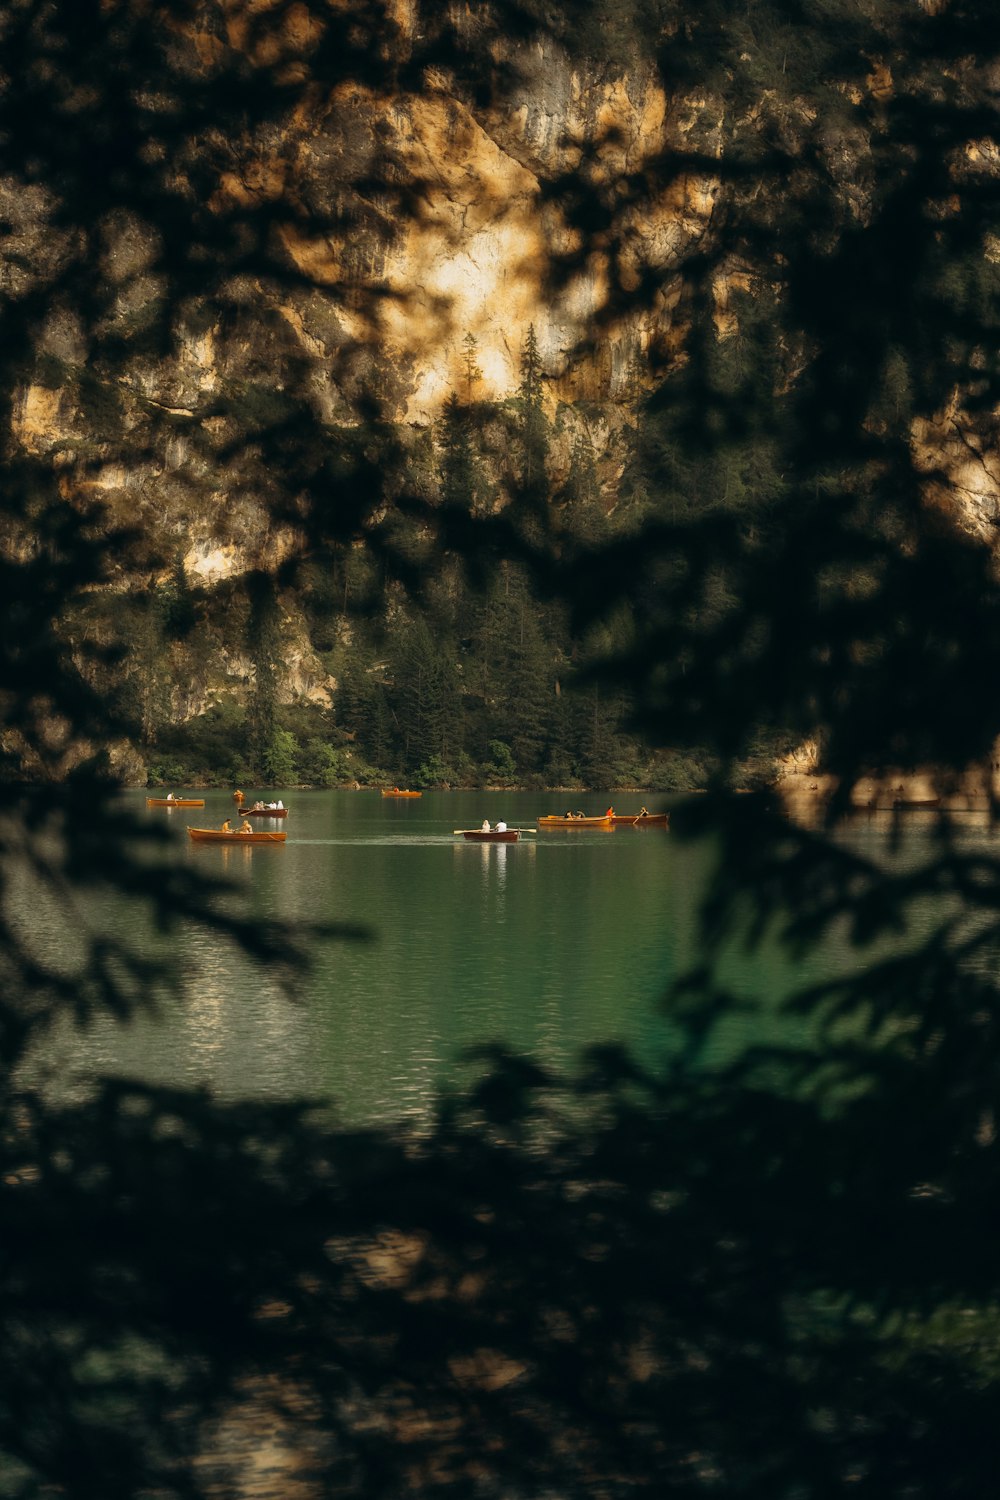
486	826
279	804
501	826
610	813
246	826
579	814
567	815
643	812
170	796
237	796
226	827
258	806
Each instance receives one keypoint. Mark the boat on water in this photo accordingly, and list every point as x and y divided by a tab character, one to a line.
234	836
175	802
642	820
396	792
492	836
263	812
574	820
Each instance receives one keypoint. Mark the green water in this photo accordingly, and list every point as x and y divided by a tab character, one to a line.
553	944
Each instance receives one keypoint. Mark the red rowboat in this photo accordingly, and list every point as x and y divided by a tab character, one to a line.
480	836
218	836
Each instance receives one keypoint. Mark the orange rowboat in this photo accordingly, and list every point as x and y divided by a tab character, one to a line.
175	802
556	820
216	836
263	812
642	820
395	792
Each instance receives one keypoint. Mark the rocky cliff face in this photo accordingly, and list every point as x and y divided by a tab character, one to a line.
391	296
403	221
370	225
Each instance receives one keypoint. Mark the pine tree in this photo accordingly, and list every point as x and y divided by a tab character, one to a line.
533	426
582	491
145	677
424	696
531	688
459	466
470	369
180	615
513	671
264	644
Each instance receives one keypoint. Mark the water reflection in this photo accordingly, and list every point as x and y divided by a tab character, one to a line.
233	858
205	1015
547	945
495	862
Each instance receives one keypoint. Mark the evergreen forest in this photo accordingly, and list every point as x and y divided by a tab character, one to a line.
444	675
442	678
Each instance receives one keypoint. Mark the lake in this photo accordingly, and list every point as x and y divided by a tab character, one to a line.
553	944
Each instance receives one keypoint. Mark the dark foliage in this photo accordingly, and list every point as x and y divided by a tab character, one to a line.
778	1280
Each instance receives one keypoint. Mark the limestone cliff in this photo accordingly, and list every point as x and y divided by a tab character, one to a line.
372	297
338	244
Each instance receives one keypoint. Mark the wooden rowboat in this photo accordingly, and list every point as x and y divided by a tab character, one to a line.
395	792
175	802
557	820
263	812
479	836
642	820
217	836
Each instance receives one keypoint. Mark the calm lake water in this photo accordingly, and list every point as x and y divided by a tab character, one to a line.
549	945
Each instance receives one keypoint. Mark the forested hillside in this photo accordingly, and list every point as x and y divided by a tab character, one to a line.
434	676
567	308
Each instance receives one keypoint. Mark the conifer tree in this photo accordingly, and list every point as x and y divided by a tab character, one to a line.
180	614
265	644
459	467
534	428
531	687
582	492
488	650
145	676
424	697
470	368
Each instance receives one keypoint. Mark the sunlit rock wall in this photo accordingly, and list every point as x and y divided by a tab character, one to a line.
464	228
491	251
475	241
